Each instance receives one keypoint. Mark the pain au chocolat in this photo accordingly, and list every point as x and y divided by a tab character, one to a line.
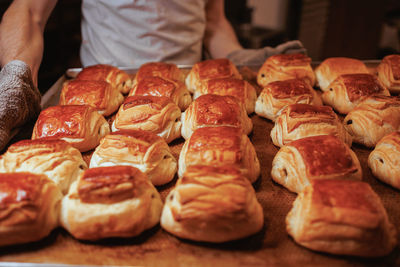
389	73
117	201
80	125
164	70
341	217
218	146
314	158
140	149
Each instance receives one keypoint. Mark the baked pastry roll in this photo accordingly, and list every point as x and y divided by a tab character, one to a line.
389	73
210	69
140	149
214	111
118	78
217	146
303	120
212	204
348	90
157	86
278	95
168	71
372	119
98	94
30	206
57	159
285	67
80	125
384	159
341	217
117	201
314	158
333	67
156	114
238	88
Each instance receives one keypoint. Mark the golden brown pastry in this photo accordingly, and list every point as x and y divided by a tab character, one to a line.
314	158
278	95
157	86
57	159
285	67
212	204
118	78
303	120
117	201
80	125
156	114
384	159
210	69
30	206
389	73
373	118
341	217
168	71
348	90
238	88
140	149
333	67
218	146
98	94
213	111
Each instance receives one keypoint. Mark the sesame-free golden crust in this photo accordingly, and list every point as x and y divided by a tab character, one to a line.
81	92
289	59
215	68
359	85
289	88
305	114
159	69
155	86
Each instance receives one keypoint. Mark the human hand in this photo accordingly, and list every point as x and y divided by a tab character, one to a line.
19	98
258	56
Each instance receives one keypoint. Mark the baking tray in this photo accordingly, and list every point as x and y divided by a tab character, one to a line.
270	247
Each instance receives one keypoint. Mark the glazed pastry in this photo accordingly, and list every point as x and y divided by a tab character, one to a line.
30	206
156	114
80	125
57	159
98	94
372	119
157	86
213	111
341	217
285	67
278	95
140	149
389	73
314	158
303	120
238	88
333	67
117	201
218	146
168	71
118	78
348	90
210	69
212	204
384	159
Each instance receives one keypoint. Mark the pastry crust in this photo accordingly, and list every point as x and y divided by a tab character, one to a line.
168	71
389	73
212	204
140	149
214	111
98	94
30	206
303	120
218	146
156	114
285	67
80	125
278	95
348	90
373	118
341	217
314	158
333	67
117	201
384	160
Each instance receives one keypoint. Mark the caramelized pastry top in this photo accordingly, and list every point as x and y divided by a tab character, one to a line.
214	68
227	86
360	84
216	109
159	69
93	91
345	65
155	86
289	88
394	63
138	140
289	60
42	143
99	72
305	113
